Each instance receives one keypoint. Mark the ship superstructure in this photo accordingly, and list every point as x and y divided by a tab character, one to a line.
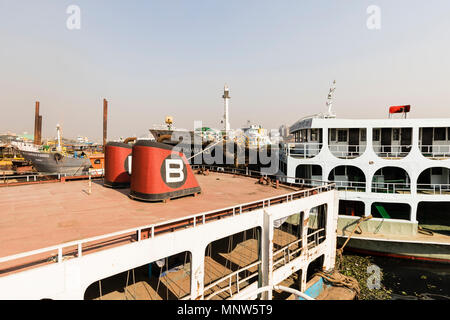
396	170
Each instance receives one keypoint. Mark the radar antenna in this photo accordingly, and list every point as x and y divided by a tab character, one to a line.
329	103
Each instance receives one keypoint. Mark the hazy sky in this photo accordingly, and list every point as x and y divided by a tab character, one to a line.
156	58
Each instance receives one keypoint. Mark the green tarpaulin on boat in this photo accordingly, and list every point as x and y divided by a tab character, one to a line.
382	211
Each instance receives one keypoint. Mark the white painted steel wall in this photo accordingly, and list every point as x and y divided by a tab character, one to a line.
369	162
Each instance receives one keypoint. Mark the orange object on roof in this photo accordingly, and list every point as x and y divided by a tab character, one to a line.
399	109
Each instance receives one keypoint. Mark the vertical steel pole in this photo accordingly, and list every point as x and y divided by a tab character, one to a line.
39	130
36	122
105	122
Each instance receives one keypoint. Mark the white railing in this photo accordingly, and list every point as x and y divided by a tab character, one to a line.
257	174
388	187
306	182
355	186
288	255
171	225
38	176
392	151
315	238
260	290
231	283
302	150
432	151
433	188
347	151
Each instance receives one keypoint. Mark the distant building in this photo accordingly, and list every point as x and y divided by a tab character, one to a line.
284	131
81	139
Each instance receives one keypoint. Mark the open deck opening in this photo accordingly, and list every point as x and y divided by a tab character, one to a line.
434	216
351	208
392	143
347	143
166	279
232	264
434	142
391	180
391	210
317	225
348	178
287	239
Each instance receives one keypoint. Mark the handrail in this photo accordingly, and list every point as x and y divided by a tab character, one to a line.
228	277
302	149
316	237
287	246
344	147
389	186
435	188
345	185
188	221
435	150
315	232
395	151
275	287
285	249
34	176
344	150
258	174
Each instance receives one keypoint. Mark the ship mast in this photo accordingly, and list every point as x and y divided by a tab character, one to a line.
58	132
226	98
329	103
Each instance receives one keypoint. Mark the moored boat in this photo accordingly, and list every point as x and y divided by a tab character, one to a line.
53	160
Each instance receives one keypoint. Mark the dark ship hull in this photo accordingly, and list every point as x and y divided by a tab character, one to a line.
57	163
228	154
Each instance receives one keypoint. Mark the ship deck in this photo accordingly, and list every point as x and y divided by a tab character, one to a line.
38	216
419	238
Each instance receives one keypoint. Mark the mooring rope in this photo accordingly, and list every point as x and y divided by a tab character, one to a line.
362	219
334	276
209	147
426	231
338	279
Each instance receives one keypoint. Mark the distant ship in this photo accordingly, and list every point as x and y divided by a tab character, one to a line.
244	141
53	161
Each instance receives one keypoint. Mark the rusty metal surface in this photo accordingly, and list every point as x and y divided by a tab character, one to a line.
39	130
105	122
36	122
36	216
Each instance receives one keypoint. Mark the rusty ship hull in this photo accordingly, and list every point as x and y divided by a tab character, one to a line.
57	163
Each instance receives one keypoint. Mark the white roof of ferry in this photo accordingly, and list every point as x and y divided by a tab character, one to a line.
313	122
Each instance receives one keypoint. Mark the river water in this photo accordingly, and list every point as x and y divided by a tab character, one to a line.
409	279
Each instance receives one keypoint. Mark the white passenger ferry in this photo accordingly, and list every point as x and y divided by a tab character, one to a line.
394	170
